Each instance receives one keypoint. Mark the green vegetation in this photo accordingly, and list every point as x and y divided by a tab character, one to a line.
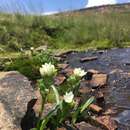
28	65
85	29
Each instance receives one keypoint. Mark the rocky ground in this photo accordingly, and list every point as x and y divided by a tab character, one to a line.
108	79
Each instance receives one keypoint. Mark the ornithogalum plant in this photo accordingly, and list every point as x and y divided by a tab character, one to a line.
65	107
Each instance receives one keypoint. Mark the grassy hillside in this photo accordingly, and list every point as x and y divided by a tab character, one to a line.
103	27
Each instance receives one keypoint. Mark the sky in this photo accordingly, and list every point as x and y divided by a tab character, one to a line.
51	6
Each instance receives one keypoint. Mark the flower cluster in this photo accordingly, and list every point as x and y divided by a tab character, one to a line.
78	72
64	107
48	70
68	97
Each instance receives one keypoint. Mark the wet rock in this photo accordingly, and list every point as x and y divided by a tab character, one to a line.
128	63
101	51
99	97
59	79
90	74
85	126
67	71
62	66
95	108
15	93
85	59
93	71
106	122
85	90
110	111
124	118
114	71
98	80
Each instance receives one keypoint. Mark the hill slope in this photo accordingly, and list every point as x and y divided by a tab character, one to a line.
99	27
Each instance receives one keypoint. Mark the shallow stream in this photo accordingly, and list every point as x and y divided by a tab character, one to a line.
116	63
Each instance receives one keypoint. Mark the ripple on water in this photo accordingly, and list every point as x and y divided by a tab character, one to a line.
124	118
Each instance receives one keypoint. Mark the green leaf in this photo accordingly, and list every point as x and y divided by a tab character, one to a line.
75	115
87	103
56	94
34	129
41	85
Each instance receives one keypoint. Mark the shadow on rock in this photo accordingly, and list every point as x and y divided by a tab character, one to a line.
29	120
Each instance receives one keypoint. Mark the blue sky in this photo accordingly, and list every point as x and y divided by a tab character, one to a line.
49	6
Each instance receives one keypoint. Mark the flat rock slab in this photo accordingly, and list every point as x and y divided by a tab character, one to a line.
99	80
59	79
85	59
62	66
15	93
85	126
95	108
106	122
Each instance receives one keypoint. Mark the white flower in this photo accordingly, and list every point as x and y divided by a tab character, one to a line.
32	48
68	97
79	72
47	70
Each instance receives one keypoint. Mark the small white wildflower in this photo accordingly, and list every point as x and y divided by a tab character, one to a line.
47	69
79	72
32	48
68	97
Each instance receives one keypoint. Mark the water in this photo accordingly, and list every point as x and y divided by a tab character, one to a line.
116	63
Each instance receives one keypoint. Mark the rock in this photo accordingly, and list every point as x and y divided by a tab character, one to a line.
99	97
64	54
61	128
128	63
84	90
101	51
85	126
123	118
59	79
68	71
99	80
128	75
110	111
85	59
47	107
105	122
93	71
15	93
62	66
90	73
6	122
95	108
42	48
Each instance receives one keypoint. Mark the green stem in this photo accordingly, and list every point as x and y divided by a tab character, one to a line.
41	110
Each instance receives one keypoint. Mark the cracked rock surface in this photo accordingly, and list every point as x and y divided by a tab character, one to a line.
15	93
